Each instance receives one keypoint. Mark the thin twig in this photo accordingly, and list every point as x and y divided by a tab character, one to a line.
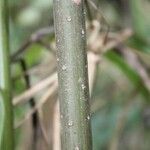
51	92
44	133
35	118
133	60
94	41
56	127
35	37
88	10
103	18
24	97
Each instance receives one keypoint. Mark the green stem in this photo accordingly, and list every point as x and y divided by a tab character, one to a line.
7	136
72	74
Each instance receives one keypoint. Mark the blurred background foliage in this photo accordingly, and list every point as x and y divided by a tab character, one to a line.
120	99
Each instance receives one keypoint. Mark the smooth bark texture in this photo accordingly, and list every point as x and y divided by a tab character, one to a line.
7	131
72	74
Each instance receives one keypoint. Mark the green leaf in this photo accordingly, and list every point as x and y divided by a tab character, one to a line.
33	55
131	74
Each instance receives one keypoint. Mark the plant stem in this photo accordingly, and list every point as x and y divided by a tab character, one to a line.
7	136
72	74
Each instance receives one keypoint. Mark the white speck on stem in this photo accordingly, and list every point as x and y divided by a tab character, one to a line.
70	123
64	67
88	117
80	80
82	32
57	59
86	66
83	86
84	12
68	19
57	40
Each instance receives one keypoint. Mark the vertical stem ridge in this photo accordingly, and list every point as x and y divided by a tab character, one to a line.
69	22
7	136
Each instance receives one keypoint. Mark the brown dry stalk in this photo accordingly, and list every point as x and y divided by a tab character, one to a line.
51	92
24	97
